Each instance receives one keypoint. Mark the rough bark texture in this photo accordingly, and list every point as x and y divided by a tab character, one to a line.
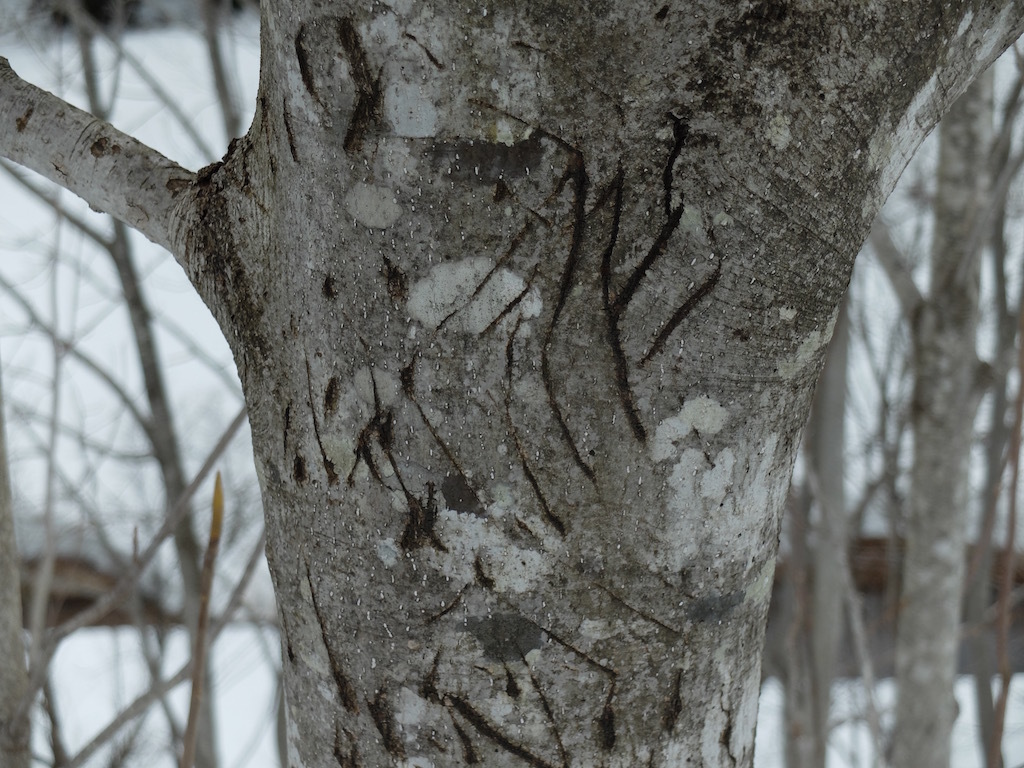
945	397
528	301
14	730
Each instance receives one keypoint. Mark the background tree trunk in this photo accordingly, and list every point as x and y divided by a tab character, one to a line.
946	393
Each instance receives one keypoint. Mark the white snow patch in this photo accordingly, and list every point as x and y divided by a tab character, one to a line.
448	290
701	413
372	206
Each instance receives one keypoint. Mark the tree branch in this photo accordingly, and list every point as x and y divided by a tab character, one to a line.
110	170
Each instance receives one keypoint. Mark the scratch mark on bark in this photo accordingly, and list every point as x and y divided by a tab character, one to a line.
426	51
288	130
367	108
674	705
577	173
549	515
383	718
468	753
347	755
487	729
305	70
549	712
447	609
642	614
346	691
606	722
680	131
613	312
680	314
332	475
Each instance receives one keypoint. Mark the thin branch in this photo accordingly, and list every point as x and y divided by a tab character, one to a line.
160	688
110	170
892	262
188	753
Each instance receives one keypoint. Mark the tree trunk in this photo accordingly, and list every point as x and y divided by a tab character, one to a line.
528	303
15	729
945	397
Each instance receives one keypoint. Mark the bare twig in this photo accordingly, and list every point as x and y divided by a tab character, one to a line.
188	753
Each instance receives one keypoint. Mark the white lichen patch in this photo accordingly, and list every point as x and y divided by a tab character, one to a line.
595	629
458	290
805	354
778	132
340	450
723	219
387	552
410	708
701	413
376	386
692	222
372	206
410	109
716	482
787	314
965	23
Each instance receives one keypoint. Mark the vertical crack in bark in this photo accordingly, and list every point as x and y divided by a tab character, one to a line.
346	691
384	720
469	755
346	750
369	95
577	173
547	711
613	312
332	475
680	130
489	730
674	705
606	722
287	117
549	515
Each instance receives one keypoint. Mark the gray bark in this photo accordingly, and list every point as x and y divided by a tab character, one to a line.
945	398
528	304
14	725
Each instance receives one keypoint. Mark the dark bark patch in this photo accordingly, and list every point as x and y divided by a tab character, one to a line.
662	13
506	636
21	123
398	286
299	472
715	607
104	146
384	720
487	162
511	686
331	395
346	748
419	528
606	726
305	70
674	705
330	287
459	496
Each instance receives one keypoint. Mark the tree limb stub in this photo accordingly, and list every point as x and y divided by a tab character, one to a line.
110	170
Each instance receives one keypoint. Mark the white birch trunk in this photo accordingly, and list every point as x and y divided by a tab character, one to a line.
945	398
